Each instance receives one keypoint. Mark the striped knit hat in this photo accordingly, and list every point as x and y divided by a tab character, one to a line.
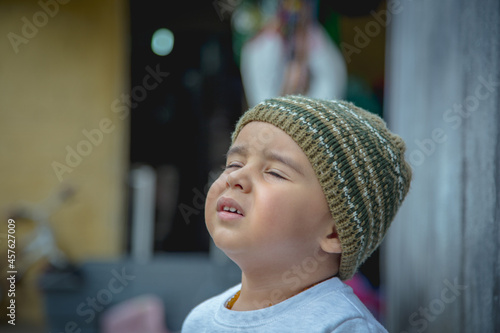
359	164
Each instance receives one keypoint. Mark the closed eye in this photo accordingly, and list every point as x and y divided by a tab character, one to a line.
232	165
274	174
237	165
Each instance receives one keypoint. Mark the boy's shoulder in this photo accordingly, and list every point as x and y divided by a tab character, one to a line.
334	307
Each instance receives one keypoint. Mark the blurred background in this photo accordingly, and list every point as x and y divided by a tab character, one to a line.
115	117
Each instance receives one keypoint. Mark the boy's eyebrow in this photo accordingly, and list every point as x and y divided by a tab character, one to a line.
275	156
238	150
269	154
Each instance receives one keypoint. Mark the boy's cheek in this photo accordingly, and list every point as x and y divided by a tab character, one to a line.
217	187
213	194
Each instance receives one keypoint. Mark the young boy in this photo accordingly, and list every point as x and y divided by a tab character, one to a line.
309	190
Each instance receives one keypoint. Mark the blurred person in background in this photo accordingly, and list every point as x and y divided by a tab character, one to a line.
292	54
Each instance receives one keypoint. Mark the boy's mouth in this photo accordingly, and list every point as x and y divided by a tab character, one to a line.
229	206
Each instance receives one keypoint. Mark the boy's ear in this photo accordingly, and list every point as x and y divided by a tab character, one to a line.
330	243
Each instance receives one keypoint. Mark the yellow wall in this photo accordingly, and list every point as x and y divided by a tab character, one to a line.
55	83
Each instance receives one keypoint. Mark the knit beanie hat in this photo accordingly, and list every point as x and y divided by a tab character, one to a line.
359	163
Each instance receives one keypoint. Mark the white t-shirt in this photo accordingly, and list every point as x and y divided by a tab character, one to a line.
330	306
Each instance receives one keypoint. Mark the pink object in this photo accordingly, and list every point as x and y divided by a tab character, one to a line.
367	294
141	314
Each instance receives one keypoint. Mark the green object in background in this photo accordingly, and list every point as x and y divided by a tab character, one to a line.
246	21
332	27
361	94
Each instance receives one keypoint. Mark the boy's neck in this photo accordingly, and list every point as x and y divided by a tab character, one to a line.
263	289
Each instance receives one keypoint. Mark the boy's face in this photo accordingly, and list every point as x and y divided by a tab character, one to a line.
281	213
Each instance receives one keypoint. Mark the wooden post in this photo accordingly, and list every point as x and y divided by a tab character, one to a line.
441	258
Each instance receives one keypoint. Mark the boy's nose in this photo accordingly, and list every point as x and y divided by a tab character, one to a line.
238	180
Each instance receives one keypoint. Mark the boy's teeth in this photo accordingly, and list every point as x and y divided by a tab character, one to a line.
231	209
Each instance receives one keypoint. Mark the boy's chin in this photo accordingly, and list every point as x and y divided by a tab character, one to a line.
224	242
